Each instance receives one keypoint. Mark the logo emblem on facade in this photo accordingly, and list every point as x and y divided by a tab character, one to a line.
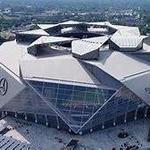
3	86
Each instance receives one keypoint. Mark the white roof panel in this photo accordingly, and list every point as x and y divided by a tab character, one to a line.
10	55
104	23
120	65
126	31
69	29
98	30
35	32
50	39
71	22
46	26
99	40
127	41
82	47
61	67
85	46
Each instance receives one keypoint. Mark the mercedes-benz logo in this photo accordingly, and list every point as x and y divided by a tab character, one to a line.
3	86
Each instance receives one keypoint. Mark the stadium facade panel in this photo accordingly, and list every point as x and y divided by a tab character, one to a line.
62	77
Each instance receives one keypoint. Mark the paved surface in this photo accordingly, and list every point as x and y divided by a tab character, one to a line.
43	138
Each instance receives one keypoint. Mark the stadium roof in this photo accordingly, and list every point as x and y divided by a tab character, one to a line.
84	46
90	60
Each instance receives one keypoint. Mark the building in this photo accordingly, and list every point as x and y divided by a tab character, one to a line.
76	76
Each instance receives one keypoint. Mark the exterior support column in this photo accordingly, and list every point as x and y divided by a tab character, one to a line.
46	120
114	123
91	130
103	125
145	113
125	117
25	116
58	127
35	118
6	113
15	114
135	115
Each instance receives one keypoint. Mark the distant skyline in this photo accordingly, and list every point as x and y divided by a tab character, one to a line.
78	3
11	2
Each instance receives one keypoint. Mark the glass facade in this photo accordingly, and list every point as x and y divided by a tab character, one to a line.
75	103
122	103
79	108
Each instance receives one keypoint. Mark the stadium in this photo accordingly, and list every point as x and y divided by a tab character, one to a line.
76	76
